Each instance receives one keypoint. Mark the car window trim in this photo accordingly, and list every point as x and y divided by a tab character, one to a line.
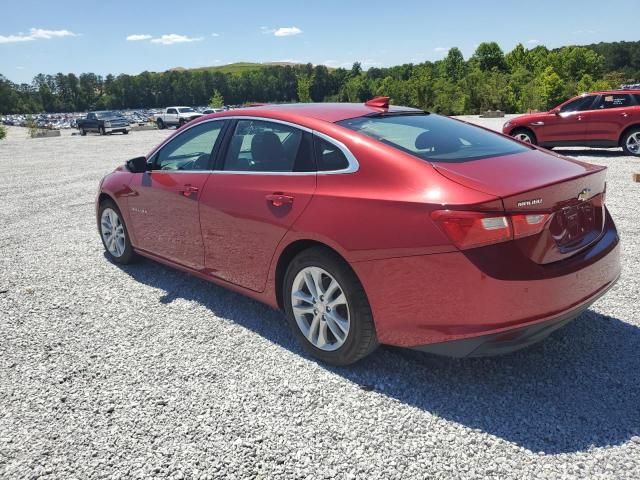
215	151
353	167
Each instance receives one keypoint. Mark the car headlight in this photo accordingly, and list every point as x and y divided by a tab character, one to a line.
107	124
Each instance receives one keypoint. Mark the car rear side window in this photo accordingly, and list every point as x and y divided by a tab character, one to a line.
329	157
434	138
263	146
615	100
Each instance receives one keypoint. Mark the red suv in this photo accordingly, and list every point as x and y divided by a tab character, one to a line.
600	119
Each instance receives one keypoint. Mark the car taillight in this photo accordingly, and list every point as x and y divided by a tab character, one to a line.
525	225
476	229
473	229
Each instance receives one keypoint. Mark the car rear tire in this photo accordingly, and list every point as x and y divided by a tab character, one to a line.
181	122
125	132
102	131
631	142
525	135
327	308
160	124
83	132
114	234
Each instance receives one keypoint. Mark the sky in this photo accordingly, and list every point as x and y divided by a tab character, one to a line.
51	36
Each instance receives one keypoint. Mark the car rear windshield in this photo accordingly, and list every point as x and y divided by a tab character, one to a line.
434	138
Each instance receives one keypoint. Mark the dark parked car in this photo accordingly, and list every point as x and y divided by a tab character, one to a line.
103	122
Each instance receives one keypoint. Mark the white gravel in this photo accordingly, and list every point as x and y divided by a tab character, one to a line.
139	372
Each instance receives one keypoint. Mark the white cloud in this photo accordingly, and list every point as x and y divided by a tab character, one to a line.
36	34
281	32
171	38
287	31
136	37
215	34
533	42
441	49
19	67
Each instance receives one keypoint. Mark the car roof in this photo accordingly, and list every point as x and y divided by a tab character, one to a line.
328	112
614	92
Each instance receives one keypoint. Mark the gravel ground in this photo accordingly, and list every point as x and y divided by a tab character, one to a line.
109	372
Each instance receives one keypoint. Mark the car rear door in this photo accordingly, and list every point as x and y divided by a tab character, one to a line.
164	205
263	182
610	116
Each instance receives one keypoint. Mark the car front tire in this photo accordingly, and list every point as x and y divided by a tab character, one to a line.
114	234
160	124
525	135
631	142
327	308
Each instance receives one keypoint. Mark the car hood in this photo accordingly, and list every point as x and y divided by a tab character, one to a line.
528	118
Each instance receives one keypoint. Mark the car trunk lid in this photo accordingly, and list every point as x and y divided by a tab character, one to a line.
536	182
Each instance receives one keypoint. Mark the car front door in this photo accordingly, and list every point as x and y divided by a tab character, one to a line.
164	203
609	117
565	124
171	117
262	184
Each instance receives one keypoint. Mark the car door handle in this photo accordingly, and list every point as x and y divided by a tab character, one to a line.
188	190
279	199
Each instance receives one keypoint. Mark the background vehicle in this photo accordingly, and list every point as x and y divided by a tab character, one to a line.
176	117
600	119
372	224
103	122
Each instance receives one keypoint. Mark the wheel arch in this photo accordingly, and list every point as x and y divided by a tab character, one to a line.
521	128
288	254
635	126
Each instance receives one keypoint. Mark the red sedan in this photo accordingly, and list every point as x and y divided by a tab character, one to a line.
372	224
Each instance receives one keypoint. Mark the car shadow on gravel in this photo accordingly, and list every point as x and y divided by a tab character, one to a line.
579	388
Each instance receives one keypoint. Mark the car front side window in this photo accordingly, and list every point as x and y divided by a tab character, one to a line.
190	150
263	146
578	105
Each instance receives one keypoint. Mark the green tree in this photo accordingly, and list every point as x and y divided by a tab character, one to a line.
551	88
488	56
304	88
216	100
454	65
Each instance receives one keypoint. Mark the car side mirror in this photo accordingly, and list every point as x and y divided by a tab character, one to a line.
556	111
138	165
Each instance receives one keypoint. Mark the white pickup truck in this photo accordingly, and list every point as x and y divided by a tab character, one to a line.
176	117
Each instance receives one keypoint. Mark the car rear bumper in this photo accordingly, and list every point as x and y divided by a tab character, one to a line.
510	340
448	297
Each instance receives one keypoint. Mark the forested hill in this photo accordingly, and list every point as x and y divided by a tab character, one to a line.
520	80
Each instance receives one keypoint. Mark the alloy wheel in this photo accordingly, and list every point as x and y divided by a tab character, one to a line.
633	143
112	231
320	308
523	137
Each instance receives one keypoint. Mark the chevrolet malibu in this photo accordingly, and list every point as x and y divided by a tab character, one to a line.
369	224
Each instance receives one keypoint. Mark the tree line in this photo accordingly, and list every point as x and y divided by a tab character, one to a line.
521	80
